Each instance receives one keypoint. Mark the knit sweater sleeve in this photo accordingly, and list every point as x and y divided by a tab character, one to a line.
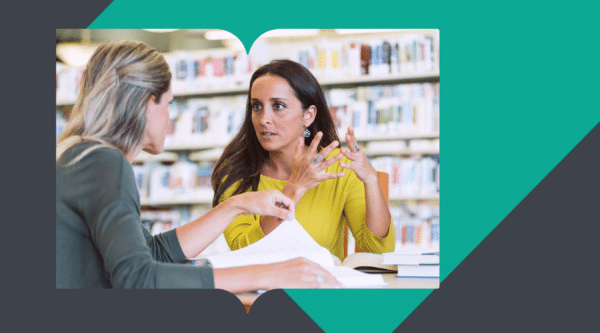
131	256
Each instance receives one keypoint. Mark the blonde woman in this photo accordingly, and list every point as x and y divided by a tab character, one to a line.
100	242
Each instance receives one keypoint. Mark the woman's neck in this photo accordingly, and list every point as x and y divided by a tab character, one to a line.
133	154
279	165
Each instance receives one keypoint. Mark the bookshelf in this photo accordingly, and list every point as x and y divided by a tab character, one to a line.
210	88
429	76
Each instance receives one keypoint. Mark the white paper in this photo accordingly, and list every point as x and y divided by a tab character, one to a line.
288	241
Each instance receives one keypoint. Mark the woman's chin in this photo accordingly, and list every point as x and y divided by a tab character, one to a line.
153	150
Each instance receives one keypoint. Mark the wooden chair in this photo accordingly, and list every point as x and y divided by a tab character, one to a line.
384	183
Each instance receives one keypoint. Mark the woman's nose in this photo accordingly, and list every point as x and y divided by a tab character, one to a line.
265	117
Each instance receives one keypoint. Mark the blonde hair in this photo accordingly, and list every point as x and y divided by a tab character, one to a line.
116	85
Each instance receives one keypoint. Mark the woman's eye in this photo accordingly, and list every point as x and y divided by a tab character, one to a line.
256	107
278	106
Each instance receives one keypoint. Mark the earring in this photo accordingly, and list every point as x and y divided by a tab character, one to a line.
306	132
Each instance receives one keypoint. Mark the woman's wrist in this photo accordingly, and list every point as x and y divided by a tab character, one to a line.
234	204
372	180
295	192
262	277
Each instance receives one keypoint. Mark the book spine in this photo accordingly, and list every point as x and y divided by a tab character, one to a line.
365	59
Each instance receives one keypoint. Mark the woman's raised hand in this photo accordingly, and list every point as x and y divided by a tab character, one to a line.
309	168
268	203
359	163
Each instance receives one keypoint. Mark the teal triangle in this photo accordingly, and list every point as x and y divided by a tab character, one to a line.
517	85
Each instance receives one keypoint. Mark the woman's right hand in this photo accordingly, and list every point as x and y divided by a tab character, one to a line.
309	168
267	203
297	273
293	273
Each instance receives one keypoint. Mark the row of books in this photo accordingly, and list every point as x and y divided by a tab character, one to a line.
183	181
205	122
417	225
410	176
189	181
417	233
193	72
408	53
223	69
387	109
408	109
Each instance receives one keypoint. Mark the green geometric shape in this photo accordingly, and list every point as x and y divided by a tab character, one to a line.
516	81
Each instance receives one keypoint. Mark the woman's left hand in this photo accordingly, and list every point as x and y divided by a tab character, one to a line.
359	162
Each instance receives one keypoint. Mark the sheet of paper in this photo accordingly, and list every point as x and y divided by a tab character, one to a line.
289	240
350	278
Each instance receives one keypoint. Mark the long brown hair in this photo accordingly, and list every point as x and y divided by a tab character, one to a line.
244	157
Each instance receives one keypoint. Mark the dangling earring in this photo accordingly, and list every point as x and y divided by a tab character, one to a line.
306	132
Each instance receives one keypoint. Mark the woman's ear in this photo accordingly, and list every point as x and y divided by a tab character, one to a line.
309	115
150	105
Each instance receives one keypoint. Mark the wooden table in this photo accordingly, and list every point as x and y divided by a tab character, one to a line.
392	283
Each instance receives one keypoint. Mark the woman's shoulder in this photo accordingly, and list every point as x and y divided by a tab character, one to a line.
94	155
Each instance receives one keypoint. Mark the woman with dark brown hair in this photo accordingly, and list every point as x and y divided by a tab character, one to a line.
288	142
122	109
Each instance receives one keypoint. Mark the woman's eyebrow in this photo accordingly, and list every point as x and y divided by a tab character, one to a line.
278	99
271	99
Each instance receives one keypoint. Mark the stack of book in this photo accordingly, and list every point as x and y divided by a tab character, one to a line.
414	265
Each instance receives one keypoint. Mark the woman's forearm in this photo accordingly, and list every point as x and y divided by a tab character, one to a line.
378	216
198	234
240	279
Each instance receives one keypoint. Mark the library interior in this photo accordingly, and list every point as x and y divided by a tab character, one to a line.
383	83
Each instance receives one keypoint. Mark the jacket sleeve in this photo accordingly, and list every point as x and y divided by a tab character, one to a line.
128	252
